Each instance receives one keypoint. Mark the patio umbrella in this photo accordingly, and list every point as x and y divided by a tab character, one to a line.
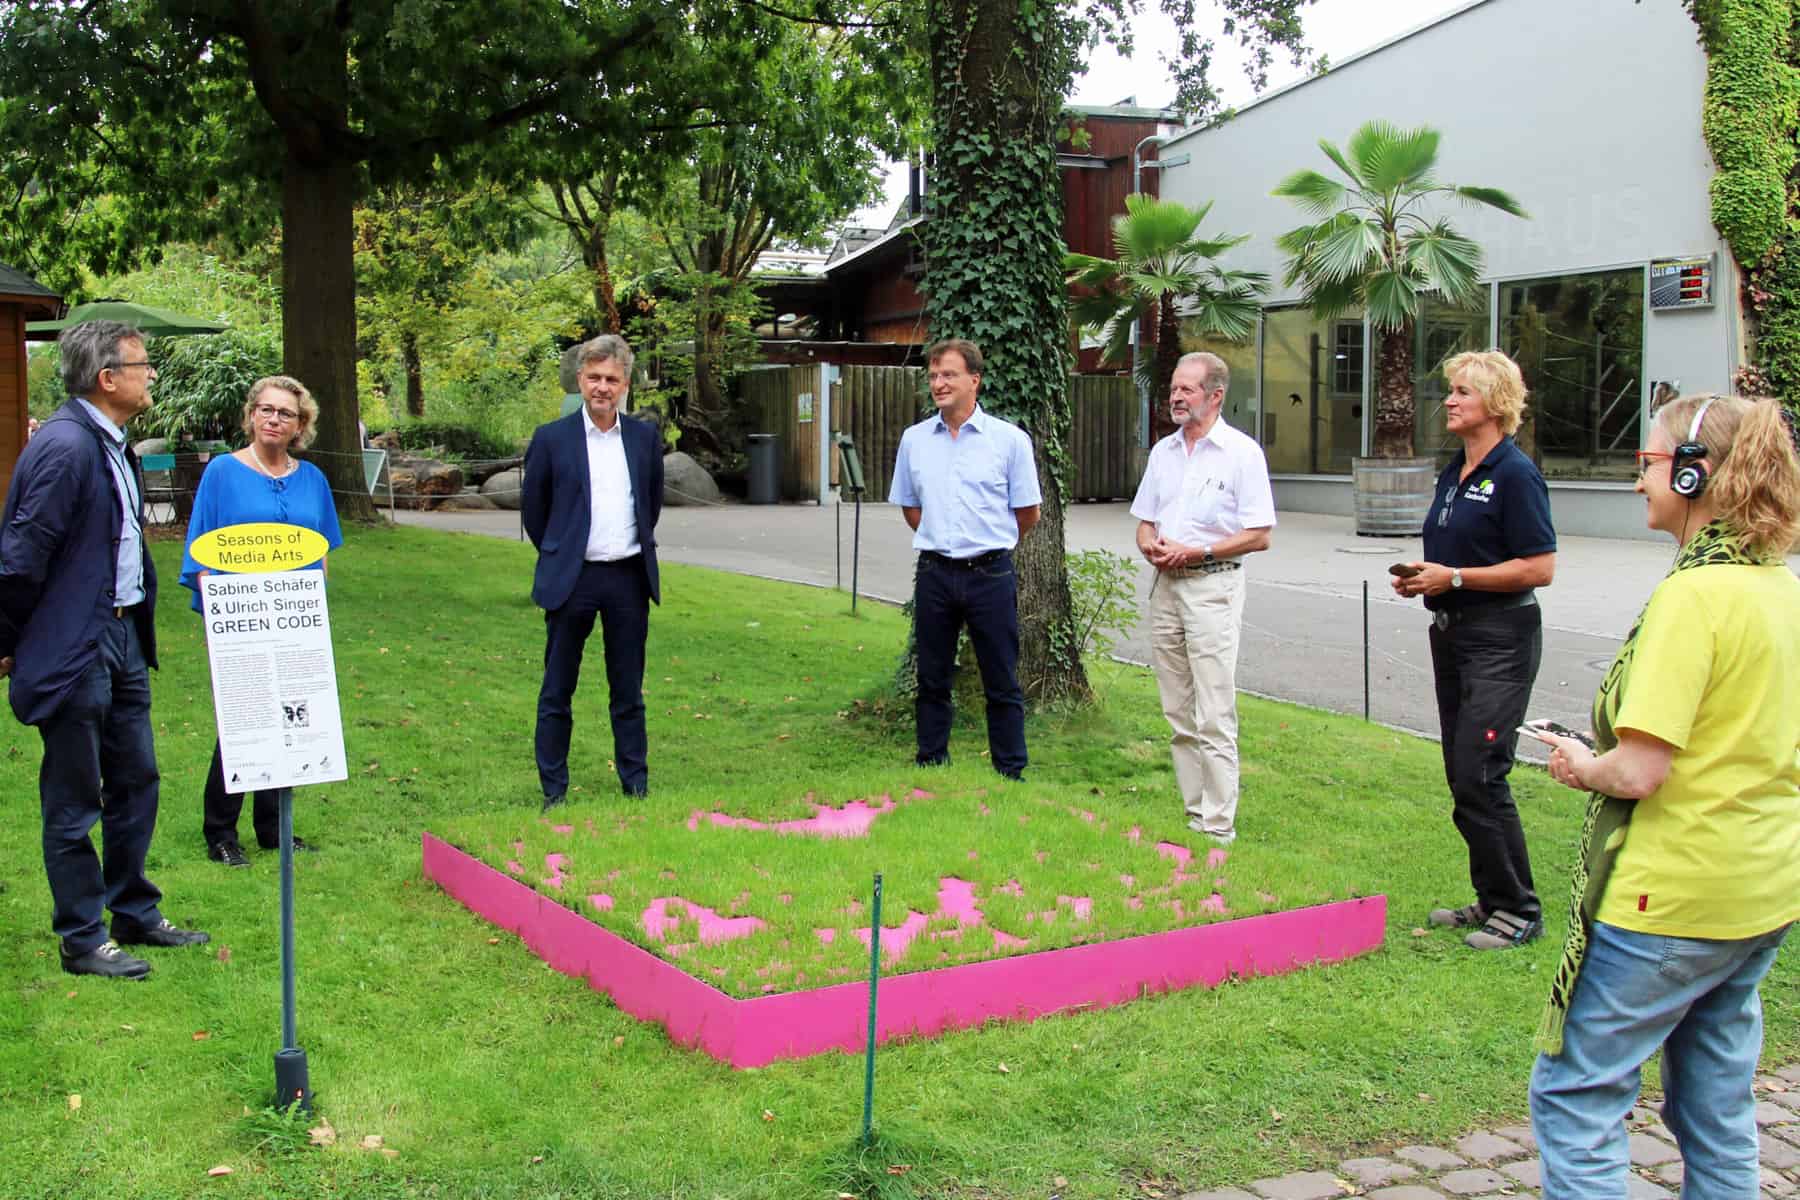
158	322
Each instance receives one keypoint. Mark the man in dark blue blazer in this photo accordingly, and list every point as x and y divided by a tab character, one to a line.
78	637
592	494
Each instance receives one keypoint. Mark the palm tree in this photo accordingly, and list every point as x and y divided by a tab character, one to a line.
1375	248
1162	269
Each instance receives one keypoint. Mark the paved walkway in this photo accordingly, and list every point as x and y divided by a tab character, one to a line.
1493	1163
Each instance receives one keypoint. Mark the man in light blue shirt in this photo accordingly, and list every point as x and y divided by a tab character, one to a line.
967	483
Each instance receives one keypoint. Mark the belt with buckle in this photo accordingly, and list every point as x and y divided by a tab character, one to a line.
1208	568
1444	618
978	560
119	613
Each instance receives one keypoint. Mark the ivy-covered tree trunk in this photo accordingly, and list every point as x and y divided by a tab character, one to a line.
1394	395
994	271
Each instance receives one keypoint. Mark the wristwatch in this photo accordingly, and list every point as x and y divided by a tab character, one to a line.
1455	577
1206	555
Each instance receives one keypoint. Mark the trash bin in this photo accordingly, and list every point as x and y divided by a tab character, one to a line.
765	468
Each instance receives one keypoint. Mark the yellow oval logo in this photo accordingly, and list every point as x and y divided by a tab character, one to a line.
259	548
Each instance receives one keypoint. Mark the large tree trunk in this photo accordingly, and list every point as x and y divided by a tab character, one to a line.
1049	660
318	328
1394	406
994	272
415	374
593	253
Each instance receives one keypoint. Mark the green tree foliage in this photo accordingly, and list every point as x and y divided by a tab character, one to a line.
202	383
1162	269
127	126
1377	245
416	250
807	161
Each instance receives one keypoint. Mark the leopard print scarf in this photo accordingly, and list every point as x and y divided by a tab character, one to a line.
1603	829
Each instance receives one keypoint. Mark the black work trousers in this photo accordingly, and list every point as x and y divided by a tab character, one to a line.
1484	666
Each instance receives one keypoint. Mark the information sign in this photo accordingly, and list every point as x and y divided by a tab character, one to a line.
268	638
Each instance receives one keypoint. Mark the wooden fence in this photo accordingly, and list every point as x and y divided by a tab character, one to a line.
874	405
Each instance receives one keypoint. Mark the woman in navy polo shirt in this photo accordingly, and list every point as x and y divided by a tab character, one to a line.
1488	543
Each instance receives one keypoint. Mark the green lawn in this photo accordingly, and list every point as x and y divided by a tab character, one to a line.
488	1075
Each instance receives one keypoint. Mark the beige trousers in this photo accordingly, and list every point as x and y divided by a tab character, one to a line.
1194	623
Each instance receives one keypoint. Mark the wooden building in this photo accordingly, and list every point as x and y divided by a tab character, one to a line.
22	299
868	290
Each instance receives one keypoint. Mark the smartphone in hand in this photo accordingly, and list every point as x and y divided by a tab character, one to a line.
1404	570
1545	725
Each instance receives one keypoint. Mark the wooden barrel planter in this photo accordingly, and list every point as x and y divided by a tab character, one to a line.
1392	495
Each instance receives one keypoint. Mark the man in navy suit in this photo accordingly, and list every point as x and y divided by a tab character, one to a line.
78	636
592	494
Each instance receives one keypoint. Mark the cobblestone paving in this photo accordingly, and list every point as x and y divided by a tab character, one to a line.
1493	1163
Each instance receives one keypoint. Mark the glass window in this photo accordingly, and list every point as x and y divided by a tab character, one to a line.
1240	393
1579	339
1440	332
1312	391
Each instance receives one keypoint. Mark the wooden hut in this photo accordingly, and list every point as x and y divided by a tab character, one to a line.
22	299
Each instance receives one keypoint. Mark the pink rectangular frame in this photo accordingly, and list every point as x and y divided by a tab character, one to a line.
760	1030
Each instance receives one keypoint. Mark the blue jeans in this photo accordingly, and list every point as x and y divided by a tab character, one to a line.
1698	1001
99	767
946	596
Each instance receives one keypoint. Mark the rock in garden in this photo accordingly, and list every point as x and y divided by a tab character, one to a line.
151	446
503	489
686	481
465	502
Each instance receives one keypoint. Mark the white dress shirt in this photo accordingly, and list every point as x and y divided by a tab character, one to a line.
612	517
1204	496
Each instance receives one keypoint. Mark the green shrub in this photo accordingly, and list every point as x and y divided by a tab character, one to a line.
201	384
453	440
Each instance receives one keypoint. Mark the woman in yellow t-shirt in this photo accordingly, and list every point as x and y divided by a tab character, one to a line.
1690	871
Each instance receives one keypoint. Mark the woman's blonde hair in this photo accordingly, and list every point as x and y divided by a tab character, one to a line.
308	427
1496	379
1753	478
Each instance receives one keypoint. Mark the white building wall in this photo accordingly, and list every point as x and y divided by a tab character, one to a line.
1586	111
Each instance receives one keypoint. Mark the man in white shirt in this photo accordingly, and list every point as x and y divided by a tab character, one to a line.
1203	505
590	501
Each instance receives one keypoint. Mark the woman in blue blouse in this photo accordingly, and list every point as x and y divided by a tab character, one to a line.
261	482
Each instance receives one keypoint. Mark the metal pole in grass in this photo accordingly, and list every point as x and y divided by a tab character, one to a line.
856	552
838	541
291	1084
868	1132
1365	649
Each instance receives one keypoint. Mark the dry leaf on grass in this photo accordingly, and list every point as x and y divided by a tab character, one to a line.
899	1168
1005	1070
74	1101
371	1142
767	1115
219	1170
200	1035
389	1152
1420	931
1274	1115
619	1041
536	1158
224	954
1061	1181
323	1134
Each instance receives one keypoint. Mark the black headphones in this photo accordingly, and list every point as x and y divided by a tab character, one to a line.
1687	474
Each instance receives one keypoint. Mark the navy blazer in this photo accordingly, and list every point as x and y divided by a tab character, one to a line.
59	554
555	502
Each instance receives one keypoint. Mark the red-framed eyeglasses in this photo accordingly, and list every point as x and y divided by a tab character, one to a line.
1646	457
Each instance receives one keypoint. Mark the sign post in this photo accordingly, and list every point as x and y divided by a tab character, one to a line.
268	640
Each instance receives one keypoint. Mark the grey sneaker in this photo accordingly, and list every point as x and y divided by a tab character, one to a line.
1503	930
1469	916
